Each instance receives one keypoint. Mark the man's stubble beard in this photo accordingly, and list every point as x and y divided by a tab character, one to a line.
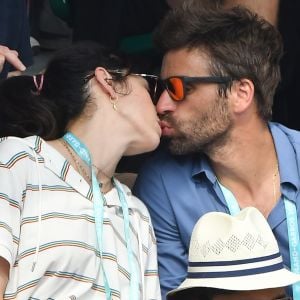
204	132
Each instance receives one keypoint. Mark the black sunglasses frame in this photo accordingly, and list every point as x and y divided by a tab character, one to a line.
190	80
152	89
124	73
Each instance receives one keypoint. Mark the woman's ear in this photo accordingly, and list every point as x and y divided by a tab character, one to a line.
103	78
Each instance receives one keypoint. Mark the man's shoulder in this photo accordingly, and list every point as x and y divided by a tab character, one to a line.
292	135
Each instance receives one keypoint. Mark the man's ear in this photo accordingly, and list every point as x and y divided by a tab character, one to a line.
242	93
103	78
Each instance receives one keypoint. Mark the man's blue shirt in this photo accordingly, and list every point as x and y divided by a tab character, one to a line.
178	190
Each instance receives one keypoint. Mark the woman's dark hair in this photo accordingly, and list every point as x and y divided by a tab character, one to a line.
63	97
237	42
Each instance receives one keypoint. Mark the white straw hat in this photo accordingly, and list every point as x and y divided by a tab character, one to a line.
235	253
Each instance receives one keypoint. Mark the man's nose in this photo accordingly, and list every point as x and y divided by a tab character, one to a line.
165	104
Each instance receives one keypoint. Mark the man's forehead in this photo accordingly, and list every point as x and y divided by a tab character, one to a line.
187	62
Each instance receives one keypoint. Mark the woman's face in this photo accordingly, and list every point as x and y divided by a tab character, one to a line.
141	117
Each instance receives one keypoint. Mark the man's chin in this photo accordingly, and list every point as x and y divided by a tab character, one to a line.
178	146
181	146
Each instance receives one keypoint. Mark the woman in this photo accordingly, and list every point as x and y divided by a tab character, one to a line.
68	229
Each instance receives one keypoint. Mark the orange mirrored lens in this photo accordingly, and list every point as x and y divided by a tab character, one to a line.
175	88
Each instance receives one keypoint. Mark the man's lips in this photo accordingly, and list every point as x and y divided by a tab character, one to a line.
166	128
164	124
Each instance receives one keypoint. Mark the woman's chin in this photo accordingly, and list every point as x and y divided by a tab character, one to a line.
147	146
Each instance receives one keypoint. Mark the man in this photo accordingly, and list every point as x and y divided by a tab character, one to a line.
234	258
220	72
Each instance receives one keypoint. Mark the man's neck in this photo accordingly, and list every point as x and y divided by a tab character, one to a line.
247	165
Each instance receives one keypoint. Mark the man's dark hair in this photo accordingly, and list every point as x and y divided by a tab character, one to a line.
237	42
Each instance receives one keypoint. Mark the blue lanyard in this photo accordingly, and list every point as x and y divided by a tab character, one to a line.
230	200
134	281
83	152
292	226
293	234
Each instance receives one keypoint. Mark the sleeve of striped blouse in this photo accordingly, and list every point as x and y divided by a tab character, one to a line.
11	192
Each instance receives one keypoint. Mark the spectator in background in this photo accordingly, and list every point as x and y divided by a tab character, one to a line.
14	33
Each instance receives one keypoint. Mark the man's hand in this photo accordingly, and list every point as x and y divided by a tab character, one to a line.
11	56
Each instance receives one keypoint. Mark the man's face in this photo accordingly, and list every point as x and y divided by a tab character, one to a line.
267	294
202	120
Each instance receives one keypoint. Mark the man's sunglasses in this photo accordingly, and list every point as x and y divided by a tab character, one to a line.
177	86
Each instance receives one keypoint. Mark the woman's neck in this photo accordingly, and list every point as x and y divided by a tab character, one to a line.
104	148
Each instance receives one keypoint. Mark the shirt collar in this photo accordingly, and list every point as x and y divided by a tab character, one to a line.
287	161
202	166
55	162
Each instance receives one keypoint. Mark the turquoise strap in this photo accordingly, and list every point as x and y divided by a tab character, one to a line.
99	216
84	154
232	204
292	226
98	202
293	234
134	282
